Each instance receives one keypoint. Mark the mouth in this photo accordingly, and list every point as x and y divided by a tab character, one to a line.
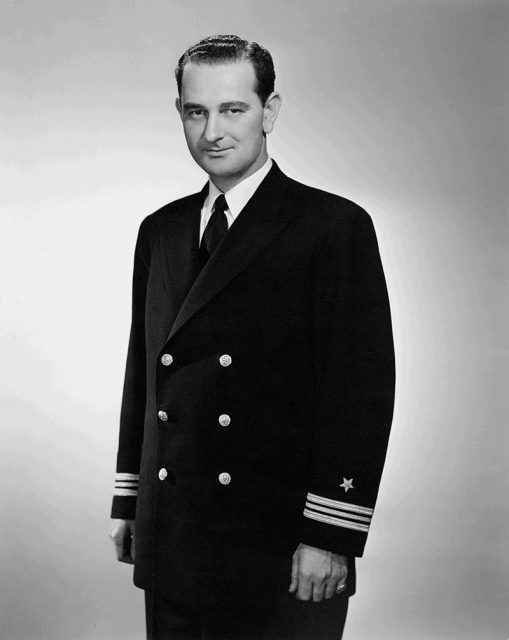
217	152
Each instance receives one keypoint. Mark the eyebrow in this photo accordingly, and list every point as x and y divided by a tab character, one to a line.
233	104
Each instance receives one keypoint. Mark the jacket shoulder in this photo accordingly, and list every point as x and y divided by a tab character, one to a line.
171	210
329	208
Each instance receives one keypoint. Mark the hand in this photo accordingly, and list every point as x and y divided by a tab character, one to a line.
316	573
122	534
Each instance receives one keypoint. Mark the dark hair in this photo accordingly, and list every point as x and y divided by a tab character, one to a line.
229	48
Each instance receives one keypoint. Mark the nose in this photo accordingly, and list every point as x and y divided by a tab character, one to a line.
213	128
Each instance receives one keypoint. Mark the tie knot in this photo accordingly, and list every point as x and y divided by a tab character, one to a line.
220	205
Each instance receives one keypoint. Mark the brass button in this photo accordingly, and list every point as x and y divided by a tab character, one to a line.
166	359
163	474
224	419
225	360
162	415
225	478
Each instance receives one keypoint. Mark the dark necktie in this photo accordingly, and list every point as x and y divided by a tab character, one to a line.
215	230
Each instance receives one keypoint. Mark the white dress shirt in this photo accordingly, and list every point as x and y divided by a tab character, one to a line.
236	198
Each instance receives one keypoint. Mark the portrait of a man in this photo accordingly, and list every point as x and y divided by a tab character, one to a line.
254	294
259	385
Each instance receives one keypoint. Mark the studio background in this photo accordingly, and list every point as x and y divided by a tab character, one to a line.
400	106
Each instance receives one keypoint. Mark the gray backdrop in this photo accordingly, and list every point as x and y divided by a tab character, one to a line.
400	106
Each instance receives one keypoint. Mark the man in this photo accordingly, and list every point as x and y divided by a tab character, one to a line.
259	382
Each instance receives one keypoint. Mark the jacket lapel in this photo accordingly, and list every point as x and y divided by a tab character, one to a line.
179	249
256	225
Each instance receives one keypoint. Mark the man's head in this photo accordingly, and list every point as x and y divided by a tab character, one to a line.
228	49
227	105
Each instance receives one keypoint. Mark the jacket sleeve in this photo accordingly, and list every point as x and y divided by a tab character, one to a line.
132	411
355	378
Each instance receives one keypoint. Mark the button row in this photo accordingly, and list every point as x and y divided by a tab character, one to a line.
224	419
225	360
224	478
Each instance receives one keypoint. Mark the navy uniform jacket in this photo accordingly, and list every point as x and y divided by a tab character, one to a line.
258	394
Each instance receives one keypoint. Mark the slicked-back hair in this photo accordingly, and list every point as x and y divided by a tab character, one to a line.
229	48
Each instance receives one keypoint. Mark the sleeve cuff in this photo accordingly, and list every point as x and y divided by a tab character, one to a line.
334	525
338	514
126	484
124	496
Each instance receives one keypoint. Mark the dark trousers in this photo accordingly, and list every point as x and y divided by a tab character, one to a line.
287	619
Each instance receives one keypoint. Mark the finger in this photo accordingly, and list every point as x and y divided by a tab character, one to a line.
122	548
305	588
330	589
119	547
294	582
340	580
318	592
126	550
126	555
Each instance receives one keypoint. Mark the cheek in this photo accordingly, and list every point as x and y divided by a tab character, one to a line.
252	136
192	134
191	144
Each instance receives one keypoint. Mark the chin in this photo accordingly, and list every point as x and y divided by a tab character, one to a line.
220	168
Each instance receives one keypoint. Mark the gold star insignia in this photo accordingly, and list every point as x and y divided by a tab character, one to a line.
347	484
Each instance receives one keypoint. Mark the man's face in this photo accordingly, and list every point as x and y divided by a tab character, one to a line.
224	120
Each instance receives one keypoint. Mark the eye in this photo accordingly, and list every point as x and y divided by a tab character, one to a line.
195	113
233	111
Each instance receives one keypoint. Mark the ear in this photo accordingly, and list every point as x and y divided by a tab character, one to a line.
178	107
270	111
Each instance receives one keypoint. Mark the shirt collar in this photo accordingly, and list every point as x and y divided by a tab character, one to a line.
239	195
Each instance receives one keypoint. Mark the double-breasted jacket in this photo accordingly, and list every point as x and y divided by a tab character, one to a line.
258	393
